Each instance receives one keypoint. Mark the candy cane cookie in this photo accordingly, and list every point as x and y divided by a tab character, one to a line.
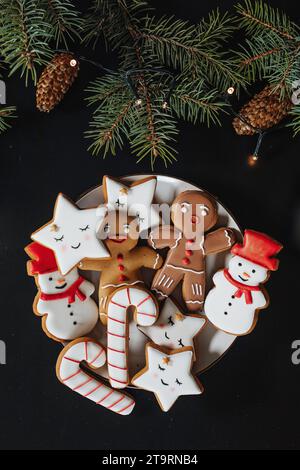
69	372
145	314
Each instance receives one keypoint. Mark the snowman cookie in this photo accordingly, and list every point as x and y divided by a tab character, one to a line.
71	234
193	214
168	375
235	301
173	329
64	302
120	233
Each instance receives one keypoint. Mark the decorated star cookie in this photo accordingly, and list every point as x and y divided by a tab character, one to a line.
173	329
168	375
136	199
71	234
235	301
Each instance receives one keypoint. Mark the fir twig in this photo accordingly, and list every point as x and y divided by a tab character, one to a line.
24	37
6	113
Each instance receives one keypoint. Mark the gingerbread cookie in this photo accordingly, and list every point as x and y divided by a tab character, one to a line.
235	301
71	234
121	235
168	375
145	314
135	199
70	373
193	214
64	302
173	329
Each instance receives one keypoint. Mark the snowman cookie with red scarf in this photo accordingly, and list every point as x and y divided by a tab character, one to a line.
64	302
235	301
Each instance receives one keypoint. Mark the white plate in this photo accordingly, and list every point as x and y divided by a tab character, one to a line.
210	344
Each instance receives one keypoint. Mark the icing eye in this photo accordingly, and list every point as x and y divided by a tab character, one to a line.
166	336
253	270
184	207
83	229
106	228
126	228
180	343
59	239
164	383
177	381
170	321
240	264
50	278
204	211
161	368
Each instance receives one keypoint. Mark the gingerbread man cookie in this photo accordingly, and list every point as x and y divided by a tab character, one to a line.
121	235
233	304
193	214
64	302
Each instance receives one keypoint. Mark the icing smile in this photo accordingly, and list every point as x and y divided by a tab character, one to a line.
75	247
61	287
164	383
245	280
118	240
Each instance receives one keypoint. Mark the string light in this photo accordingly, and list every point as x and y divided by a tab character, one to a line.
165	105
252	159
138	102
230	90
73	62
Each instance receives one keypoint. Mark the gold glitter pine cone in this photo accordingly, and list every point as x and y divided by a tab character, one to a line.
263	111
55	81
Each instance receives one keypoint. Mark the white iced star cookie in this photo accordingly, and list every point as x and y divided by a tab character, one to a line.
173	329
168	375
136	199
71	234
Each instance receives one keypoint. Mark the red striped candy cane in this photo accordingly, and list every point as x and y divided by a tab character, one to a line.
146	313
70	374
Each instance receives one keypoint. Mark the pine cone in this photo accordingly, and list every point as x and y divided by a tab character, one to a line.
263	111
55	81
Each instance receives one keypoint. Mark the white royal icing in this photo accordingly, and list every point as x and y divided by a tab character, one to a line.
227	312
71	375
71	235
173	329
137	201
117	328
168	381
67	320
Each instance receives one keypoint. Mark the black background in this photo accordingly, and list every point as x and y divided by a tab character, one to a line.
252	395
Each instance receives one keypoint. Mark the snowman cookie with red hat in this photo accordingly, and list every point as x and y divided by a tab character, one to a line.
64	302
233	304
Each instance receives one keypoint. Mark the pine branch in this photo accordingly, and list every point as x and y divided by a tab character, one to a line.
24	37
192	103
6	113
199	49
257	16
64	20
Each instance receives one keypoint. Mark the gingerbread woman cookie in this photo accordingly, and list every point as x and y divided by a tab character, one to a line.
193	214
235	301
121	235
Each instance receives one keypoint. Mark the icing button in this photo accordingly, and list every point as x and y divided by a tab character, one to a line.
185	261
190	241
120	257
121	267
122	278
225	313
188	252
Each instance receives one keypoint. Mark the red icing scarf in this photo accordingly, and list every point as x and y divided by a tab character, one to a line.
242	288
70	293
